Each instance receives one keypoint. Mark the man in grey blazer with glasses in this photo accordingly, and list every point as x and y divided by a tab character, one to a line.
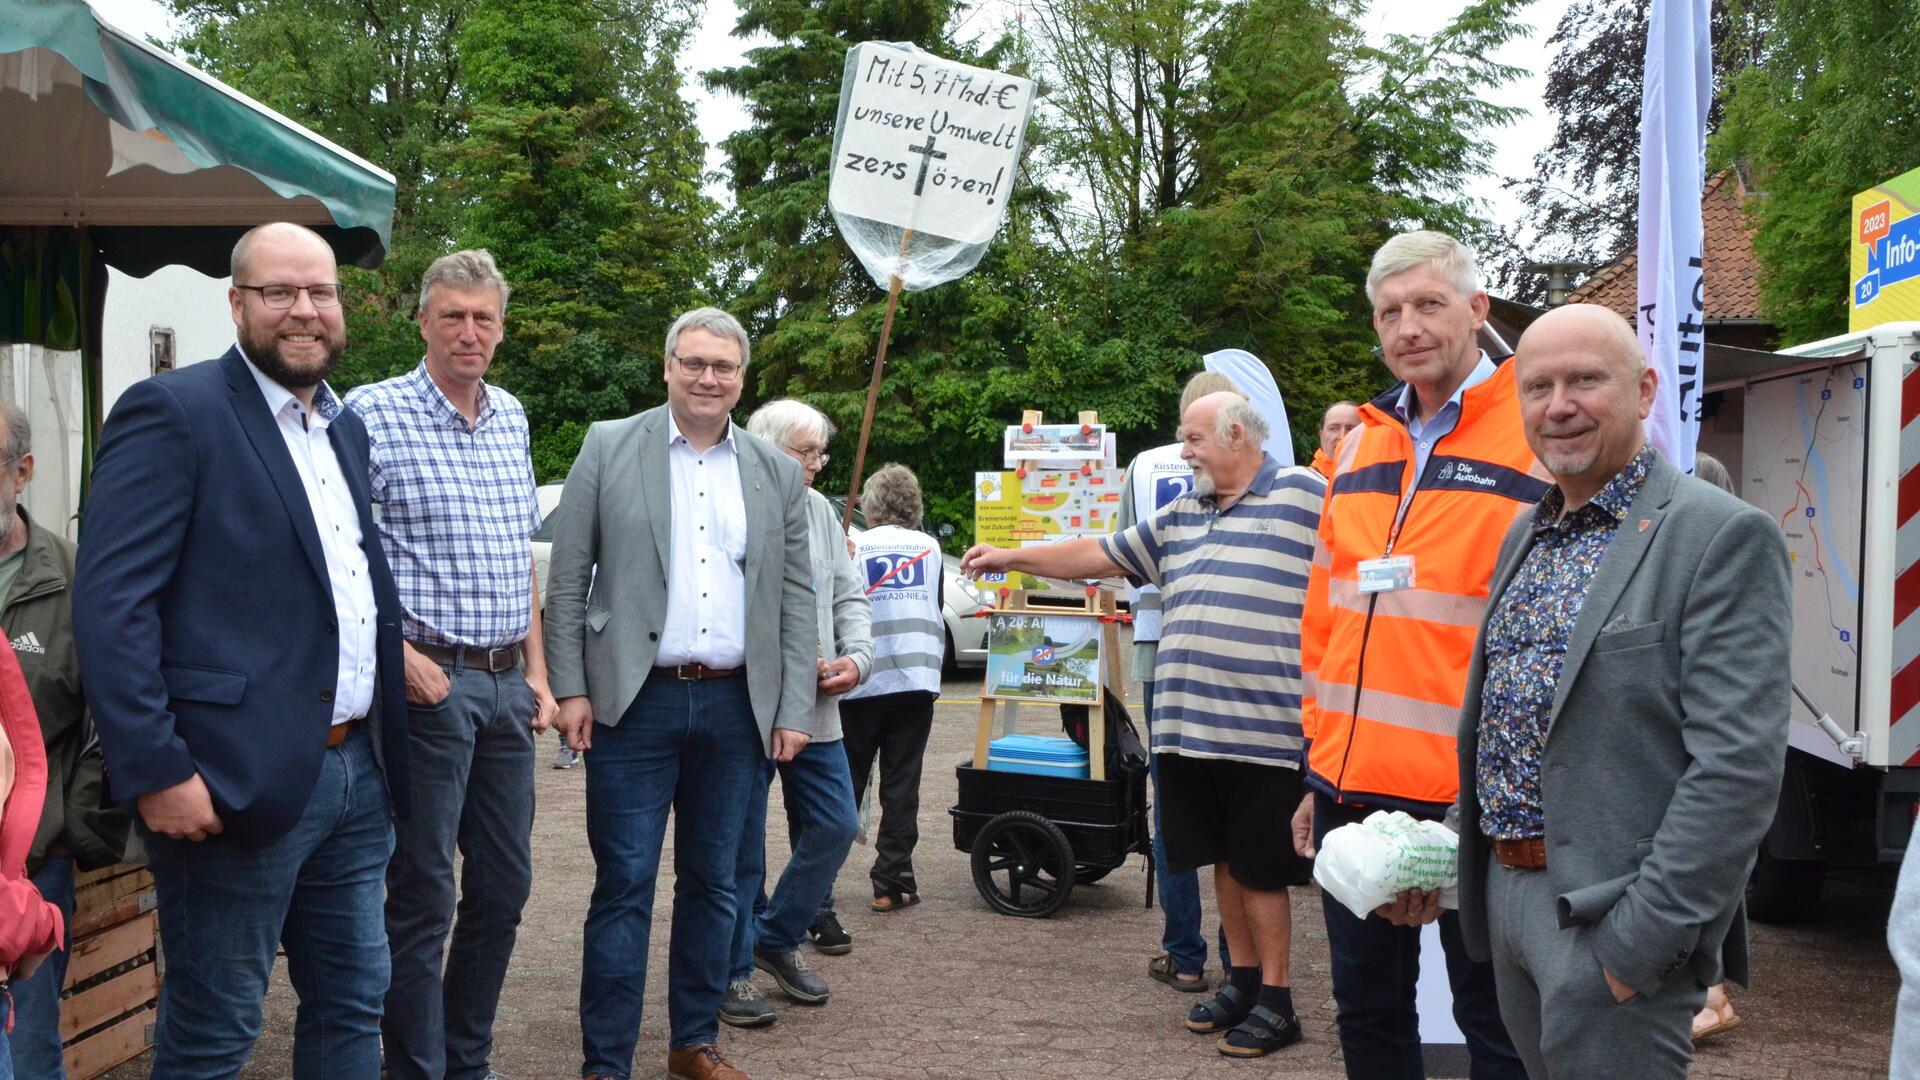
681	646
1624	728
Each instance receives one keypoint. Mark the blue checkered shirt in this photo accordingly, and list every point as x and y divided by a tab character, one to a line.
456	509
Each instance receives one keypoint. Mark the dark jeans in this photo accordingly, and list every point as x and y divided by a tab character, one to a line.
821	824
36	1001
690	747
1180	932
472	761
1375	968
893	728
318	892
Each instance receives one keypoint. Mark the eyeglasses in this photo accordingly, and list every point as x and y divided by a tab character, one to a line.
808	453
285	296
724	370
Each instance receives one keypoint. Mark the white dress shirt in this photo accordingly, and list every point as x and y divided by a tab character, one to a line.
707	573
338	522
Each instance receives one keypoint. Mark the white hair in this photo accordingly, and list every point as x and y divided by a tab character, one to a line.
778	421
714	321
1238	410
1453	259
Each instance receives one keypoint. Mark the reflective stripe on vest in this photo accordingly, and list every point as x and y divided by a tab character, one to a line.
900	569
1408	651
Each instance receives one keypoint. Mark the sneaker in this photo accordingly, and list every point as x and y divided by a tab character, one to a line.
794	974
567	758
745	1005
829	937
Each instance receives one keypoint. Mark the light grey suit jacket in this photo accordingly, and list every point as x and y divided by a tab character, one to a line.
1667	738
607	584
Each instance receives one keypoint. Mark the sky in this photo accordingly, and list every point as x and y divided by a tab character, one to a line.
714	47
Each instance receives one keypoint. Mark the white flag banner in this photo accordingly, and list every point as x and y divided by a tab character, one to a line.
1251	377
1673	148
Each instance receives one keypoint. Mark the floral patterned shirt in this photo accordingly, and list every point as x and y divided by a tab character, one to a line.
1527	645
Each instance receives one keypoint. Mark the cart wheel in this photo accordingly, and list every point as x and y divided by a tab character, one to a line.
1087	875
1023	864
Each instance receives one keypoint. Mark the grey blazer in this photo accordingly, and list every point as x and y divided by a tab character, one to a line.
606	600
1667	738
845	617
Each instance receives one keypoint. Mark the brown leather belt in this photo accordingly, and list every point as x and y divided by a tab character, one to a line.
1521	854
696	671
499	659
339	732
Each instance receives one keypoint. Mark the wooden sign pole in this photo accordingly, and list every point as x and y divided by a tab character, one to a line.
873	388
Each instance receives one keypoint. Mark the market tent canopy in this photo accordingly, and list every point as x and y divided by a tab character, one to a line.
160	163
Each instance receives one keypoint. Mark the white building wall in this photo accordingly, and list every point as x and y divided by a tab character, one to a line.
190	304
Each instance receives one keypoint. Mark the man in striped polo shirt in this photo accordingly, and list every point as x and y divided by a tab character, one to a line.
1231	560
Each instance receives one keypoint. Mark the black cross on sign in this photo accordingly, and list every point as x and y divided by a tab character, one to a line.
927	154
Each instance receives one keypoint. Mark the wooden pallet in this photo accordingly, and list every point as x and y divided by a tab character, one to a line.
113	975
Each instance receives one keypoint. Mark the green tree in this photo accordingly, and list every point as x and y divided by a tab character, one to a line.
1826	111
581	172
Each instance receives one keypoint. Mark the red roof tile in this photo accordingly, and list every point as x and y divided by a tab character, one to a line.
1733	286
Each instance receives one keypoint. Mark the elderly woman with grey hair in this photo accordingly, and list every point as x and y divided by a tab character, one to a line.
815	786
891	715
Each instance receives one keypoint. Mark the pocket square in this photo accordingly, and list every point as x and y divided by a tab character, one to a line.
1620	623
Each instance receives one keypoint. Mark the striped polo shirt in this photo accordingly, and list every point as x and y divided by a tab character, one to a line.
1233	583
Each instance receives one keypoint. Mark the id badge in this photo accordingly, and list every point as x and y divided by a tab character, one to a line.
1386	575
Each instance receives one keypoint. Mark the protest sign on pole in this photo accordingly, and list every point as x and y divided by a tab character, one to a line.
1673	150
925	153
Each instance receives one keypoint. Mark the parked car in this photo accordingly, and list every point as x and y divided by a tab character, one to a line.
966	636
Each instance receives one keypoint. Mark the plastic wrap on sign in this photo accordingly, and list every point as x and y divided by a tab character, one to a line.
927	145
1368	863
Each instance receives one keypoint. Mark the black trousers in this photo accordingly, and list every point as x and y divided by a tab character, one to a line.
893	728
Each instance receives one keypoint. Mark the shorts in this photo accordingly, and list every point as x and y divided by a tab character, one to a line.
1234	812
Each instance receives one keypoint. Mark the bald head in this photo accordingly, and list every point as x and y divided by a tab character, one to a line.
1585	388
1587	326
280	235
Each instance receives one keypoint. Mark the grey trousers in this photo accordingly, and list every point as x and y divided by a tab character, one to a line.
472	762
1555	1001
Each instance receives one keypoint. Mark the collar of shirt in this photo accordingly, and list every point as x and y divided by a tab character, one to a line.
1403	405
1260	485
326	405
674	436
442	408
1612	501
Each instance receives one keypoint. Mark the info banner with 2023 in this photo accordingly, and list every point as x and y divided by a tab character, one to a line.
1043	657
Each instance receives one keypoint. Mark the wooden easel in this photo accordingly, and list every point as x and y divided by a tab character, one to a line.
1096	603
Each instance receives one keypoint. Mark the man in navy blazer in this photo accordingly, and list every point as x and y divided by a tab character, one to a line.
239	638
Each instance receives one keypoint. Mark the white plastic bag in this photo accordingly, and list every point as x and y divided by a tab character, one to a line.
1368	863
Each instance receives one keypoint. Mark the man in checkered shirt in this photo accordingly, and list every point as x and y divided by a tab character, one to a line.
452	487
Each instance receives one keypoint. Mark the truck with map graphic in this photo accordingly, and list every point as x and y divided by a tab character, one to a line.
1825	437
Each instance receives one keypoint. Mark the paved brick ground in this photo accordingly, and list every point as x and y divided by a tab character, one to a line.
949	990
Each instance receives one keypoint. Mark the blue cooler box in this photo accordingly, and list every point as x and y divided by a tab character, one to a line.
1041	755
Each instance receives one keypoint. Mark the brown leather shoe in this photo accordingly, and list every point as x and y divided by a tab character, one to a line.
703	1062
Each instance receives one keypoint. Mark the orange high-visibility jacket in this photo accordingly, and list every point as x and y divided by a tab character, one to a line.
1387	671
1323	465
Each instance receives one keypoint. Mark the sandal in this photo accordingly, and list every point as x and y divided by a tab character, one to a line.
895	901
1712	1020
1230	1006
1260	1034
1160	969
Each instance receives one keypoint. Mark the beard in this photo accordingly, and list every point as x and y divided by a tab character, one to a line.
1202	484
263	348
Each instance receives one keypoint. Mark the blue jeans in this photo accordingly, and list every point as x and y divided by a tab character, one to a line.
1179	893
6	1050
36	1001
691	747
471	758
318	891
821	824
1376	966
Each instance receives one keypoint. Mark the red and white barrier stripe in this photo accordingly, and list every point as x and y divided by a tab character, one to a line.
1904	731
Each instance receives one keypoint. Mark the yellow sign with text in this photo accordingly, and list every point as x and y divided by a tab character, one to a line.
1884	238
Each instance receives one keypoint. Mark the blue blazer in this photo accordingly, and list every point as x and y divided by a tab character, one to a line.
203	614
